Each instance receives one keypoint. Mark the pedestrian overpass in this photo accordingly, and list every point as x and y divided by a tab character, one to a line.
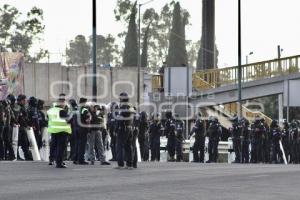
215	87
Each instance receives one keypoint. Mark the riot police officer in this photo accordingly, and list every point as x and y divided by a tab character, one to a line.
143	136
135	135
74	126
125	133
214	133
33	120
286	140
7	131
257	132
111	127
2	119
199	131
155	131
245	140
179	138
170	129
83	130
294	138
22	119
267	143
276	138
235	131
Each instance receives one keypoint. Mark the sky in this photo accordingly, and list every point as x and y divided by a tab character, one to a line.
265	24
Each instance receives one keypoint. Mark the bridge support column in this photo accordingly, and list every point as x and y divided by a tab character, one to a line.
280	109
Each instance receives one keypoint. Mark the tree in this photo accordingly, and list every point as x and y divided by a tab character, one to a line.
207	56
78	52
201	60
158	33
149	17
144	56
177	54
192	48
107	50
123	10
130	54
18	34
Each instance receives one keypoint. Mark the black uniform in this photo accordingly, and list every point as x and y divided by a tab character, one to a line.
257	133
155	131
267	143
125	135
143	136
199	145
276	137
286	140
294	141
2	123
111	126
214	133
236	139
135	133
73	138
245	141
170	131
83	130
7	131
179	140
33	120
22	119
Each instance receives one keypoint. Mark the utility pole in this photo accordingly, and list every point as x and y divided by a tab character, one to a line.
94	51
240	111
139	62
139	55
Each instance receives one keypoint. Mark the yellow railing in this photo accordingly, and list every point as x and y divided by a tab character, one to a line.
208	79
247	113
199	83
251	72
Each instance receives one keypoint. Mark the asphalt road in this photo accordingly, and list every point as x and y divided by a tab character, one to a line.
36	181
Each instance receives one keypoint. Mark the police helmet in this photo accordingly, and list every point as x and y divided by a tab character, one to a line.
169	114
11	98
21	97
32	101
143	115
124	97
294	124
40	104
73	103
274	123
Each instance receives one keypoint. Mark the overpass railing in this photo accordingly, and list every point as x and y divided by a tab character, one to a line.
251	72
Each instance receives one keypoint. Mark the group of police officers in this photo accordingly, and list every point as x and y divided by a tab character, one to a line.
269	144
83	126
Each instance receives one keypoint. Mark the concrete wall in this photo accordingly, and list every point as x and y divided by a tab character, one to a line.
46	81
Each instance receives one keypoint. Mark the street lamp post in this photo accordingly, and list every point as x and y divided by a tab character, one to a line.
239	61
139	54
94	50
247	57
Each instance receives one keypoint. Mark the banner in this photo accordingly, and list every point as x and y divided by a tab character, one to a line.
11	74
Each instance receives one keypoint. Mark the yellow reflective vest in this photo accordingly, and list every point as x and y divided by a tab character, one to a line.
57	125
